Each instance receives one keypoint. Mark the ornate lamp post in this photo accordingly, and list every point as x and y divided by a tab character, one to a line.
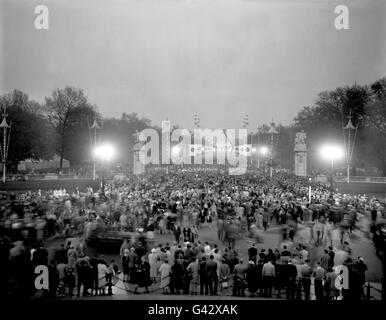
349	148
273	132
94	127
331	153
4	144
260	130
105	153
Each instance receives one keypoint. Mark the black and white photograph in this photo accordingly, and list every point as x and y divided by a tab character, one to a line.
199	152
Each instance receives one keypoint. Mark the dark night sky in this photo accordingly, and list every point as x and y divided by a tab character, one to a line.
221	59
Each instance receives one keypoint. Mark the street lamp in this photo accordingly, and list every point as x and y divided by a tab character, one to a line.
4	144
350	148
105	153
272	132
263	151
332	152
94	127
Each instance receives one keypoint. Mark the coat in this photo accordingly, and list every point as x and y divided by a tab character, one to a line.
143	275
193	267
252	278
211	269
154	265
177	275
165	270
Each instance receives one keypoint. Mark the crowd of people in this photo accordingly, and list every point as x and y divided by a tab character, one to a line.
177	205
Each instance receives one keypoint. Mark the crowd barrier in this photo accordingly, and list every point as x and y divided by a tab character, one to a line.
298	290
361	179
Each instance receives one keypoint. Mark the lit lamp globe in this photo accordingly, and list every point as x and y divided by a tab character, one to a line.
332	152
263	150
104	152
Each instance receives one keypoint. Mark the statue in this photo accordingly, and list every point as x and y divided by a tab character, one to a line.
300	138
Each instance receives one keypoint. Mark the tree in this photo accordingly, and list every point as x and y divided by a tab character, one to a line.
31	133
376	123
376	109
69	112
326	119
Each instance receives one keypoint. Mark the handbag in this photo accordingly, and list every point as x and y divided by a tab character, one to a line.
224	284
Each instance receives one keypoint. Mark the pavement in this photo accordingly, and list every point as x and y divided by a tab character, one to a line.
360	245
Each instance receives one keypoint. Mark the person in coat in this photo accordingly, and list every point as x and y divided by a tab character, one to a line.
165	270
177	274
211	277
177	232
193	268
143	276
224	274
252	278
154	265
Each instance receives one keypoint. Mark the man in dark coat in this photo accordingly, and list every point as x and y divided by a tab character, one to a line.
252	278
187	234
189	254
83	270
177	232
140	250
94	261
202	273
40	256
252	253
176	277
132	261
211	277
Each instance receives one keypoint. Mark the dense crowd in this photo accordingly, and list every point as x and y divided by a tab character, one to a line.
179	204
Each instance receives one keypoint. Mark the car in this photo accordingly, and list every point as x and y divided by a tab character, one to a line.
110	241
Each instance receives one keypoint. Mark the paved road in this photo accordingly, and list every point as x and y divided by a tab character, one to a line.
360	245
